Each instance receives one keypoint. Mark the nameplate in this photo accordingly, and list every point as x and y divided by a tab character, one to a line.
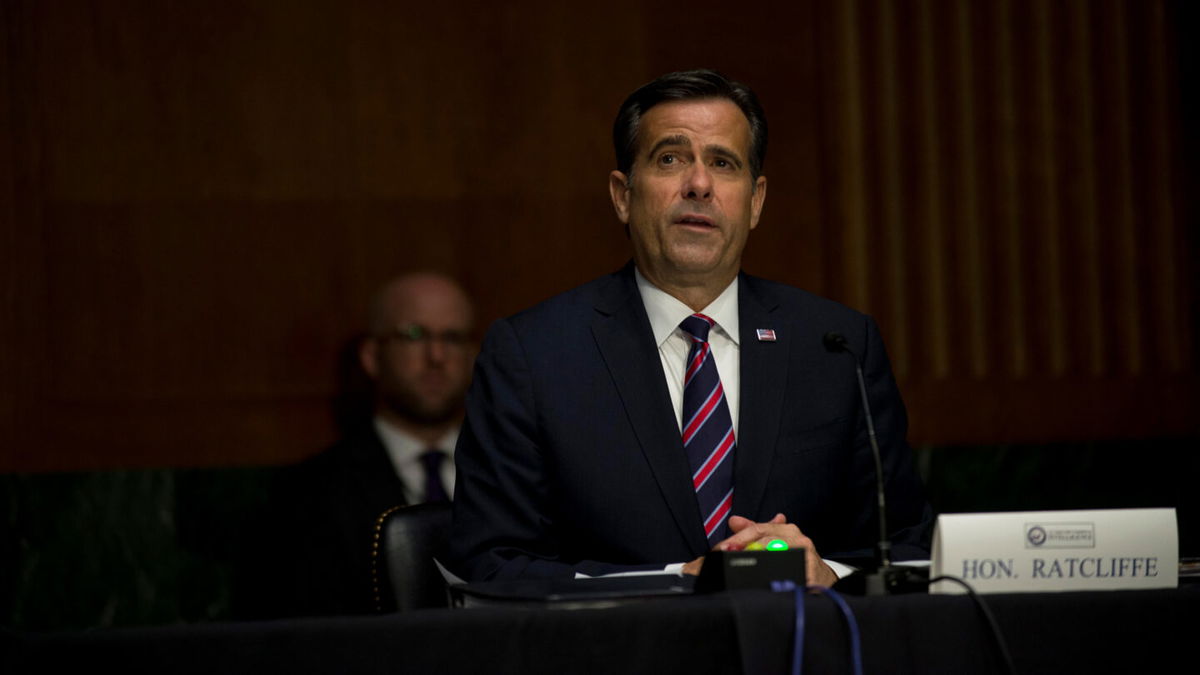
1036	551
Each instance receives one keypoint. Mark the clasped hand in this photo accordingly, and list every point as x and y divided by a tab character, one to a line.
747	532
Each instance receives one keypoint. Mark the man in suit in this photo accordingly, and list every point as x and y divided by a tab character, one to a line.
578	454
417	353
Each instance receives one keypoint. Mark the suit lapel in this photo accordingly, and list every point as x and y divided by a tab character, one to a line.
373	471
623	335
763	381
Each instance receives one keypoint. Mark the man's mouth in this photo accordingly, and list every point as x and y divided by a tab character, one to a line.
696	220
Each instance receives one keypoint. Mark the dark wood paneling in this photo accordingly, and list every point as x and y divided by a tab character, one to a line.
1003	179
200	196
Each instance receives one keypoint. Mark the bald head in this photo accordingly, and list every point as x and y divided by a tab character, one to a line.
409	297
419	351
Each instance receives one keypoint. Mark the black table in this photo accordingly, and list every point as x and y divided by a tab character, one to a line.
1116	631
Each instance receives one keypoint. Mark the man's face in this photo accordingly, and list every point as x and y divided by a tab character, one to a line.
420	355
690	203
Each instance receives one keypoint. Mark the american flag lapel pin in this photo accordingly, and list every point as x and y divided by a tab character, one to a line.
765	334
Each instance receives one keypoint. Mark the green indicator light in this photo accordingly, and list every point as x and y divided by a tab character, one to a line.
777	545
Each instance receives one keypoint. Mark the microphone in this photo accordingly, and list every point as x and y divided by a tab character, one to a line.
886	579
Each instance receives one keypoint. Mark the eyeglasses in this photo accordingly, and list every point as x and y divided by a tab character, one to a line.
416	334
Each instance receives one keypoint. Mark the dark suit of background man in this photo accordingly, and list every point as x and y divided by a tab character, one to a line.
418	354
571	460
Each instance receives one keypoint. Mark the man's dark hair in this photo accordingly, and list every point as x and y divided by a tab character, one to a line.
687	86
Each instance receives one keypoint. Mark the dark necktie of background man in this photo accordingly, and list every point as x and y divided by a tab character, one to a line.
432	460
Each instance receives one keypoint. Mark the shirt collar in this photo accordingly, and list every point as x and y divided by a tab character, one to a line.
666	311
404	448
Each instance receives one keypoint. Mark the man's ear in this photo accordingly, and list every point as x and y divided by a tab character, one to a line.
757	199
618	189
368	357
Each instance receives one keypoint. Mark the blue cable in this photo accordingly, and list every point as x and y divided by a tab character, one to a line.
851	623
798	630
847	613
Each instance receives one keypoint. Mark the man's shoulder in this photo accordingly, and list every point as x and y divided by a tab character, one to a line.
794	300
347	474
579	303
574	309
356	443
358	449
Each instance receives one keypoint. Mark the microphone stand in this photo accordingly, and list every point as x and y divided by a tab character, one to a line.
885	579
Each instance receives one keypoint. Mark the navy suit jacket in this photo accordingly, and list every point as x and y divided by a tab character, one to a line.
322	515
570	459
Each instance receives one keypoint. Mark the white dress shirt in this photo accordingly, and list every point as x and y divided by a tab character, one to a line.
666	312
405	451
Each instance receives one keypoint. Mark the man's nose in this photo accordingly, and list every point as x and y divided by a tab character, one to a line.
435	349
698	183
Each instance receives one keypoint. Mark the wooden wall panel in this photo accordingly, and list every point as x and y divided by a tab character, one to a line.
10	334
200	196
1006	195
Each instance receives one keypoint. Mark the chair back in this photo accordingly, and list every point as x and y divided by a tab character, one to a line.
403	573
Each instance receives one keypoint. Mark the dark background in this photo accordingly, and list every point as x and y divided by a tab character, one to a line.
198	198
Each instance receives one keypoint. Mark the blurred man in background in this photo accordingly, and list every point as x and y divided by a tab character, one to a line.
417	354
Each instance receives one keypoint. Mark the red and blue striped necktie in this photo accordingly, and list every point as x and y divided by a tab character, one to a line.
708	436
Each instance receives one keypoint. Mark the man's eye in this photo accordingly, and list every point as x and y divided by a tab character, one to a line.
667	159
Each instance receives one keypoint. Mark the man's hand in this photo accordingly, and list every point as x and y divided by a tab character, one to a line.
693	567
746	532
